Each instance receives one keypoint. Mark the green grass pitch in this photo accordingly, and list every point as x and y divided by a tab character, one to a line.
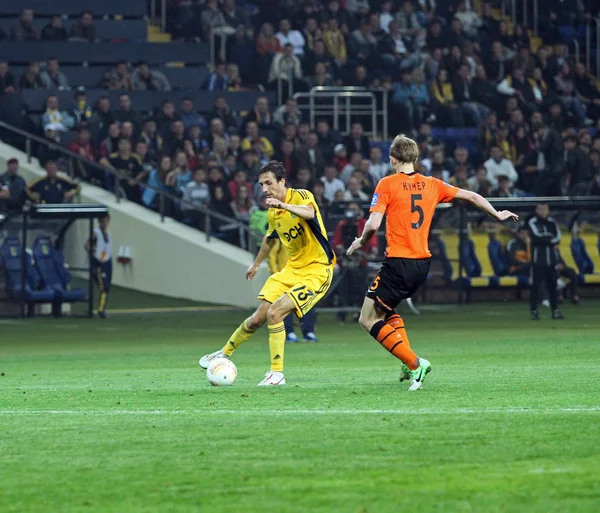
116	416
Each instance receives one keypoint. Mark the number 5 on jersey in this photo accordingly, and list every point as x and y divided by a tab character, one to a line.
414	207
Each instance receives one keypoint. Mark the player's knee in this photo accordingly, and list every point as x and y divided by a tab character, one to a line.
274	315
365	321
255	321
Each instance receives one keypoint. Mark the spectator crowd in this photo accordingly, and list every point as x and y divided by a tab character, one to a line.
531	115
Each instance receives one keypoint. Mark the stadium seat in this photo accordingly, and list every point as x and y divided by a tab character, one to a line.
581	257
497	257
130	8
126	30
470	261
11	254
105	53
47	264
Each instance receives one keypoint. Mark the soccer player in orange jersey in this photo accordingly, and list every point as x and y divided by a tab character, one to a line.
408	199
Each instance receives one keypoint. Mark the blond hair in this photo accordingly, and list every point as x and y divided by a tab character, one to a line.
404	150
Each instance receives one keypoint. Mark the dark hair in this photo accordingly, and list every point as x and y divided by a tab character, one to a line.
277	168
87	11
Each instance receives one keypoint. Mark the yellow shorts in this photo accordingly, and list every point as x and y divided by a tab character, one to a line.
304	286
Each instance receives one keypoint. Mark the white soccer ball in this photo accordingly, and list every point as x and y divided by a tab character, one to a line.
221	372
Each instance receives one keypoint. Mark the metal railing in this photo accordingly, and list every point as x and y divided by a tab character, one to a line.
588	46
341	104
159	15
248	237
280	85
511	8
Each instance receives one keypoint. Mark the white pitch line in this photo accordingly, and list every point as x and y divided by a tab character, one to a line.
456	411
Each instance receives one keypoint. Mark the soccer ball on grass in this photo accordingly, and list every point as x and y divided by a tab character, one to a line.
221	372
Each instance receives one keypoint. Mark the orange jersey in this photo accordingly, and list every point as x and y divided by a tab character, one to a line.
408	202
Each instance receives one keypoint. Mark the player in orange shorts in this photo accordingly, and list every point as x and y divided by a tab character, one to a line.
408	200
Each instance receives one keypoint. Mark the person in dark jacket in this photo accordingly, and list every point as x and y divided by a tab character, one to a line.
84	29
579	167
518	251
545	235
54	31
550	145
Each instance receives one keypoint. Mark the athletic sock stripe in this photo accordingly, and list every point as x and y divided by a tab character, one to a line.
394	346
385	338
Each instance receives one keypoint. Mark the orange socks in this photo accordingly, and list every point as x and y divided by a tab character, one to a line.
391	339
397	322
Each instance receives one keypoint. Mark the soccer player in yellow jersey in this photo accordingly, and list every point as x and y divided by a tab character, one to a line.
294	217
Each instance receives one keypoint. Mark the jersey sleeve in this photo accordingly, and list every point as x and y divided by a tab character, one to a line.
380	199
304	197
446	193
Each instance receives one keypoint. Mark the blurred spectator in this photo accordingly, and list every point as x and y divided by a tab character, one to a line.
54	30
354	191
331	183
318	54
217	132
52	149
363	174
12	188
303	179
460	178
189	115
483	91
234	15
242	204
289	158
82	145
260	114
463	95
578	167
157	178
516	84
357	141
129	168
469	19
102	118
334	42
52	77
117	78
234	80
152	138
486	132
285	66
479	183
360	77
408	21
568	94
81	111
24	29
8	84
220	205
340	159
176	139
52	188
145	79
518	252
311	32
110	144
404	100
321	78
211	19
218	80
59	120
250	163
287	35
497	165
350	168
386	15
436	164
253	134
222	111
455	36
165	118
551	163
355	268
239	178
377	168
30	78
506	189
363	45
328	138
446	110
181	174
147	159
198	142
125	113
358	8
585	86
310	156
288	113
127	132
497	65
196	194
266	42
84	29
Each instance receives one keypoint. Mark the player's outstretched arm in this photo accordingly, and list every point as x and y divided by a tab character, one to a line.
484	205
263	252
304	211
371	227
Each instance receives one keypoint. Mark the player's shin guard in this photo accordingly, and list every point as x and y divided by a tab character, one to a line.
397	322
277	345
389	338
239	336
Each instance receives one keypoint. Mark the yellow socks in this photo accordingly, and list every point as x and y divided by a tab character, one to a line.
102	303
276	346
239	336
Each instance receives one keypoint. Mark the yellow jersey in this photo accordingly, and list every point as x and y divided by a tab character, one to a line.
305	240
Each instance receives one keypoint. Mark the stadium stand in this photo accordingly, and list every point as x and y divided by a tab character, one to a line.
459	77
